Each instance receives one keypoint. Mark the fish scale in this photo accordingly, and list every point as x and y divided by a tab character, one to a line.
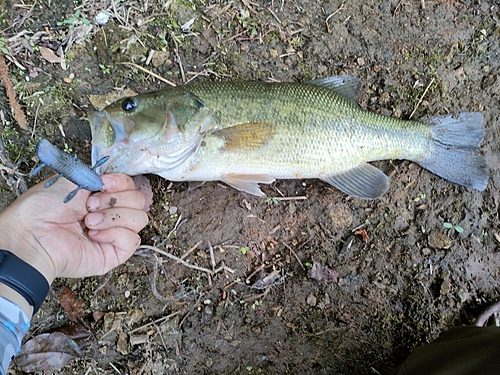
310	136
247	133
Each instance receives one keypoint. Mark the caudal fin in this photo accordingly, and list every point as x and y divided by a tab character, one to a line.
454	154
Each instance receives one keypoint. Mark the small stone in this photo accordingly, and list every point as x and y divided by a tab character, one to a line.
438	240
445	287
139	339
340	214
160	58
102	18
122	343
311	300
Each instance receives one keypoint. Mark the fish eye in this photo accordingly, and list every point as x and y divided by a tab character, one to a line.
129	104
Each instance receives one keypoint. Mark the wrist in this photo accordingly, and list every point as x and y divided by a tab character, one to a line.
13	296
23	243
23	279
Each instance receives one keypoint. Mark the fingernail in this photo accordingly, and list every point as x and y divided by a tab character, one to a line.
92	203
108	183
94	218
93	232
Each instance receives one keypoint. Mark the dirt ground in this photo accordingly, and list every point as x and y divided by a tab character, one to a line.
413	264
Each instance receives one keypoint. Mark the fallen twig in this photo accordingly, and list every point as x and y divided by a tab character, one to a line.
155	321
184	263
331	15
421	98
190	310
17	112
149	72
295	255
179	260
153	278
299	198
187	253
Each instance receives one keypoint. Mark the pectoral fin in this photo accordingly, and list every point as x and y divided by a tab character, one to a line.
246	136
364	181
248	183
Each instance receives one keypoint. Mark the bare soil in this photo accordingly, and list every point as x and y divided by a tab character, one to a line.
399	286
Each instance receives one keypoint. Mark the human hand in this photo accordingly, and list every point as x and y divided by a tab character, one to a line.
89	235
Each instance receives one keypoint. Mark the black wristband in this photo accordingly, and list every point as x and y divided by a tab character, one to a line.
23	278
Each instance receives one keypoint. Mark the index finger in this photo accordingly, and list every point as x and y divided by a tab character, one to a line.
116	182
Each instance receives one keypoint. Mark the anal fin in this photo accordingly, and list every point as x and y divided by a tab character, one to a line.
248	183
364	181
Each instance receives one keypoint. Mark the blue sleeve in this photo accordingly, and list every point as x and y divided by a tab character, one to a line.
14	324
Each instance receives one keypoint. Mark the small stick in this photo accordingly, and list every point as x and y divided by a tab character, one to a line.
187	253
295	255
110	274
330	16
422	97
153	280
190	311
149	72
155	321
175	226
299	198
260	268
212	256
114	368
183	262
161	337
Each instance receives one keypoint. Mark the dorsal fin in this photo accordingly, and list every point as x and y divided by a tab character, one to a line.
346	85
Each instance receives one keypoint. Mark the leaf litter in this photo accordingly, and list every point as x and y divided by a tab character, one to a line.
281	41
47	352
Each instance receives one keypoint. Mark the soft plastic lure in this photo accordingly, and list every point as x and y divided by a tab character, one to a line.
69	167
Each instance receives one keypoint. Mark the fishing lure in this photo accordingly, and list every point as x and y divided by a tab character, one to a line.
68	166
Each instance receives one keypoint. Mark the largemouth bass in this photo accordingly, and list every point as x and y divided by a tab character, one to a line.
246	133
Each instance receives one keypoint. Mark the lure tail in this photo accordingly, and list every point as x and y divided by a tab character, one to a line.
454	152
69	167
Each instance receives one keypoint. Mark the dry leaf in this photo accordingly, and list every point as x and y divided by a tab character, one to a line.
97	315
49	55
323	273
48	352
363	234
75	332
72	304
266	279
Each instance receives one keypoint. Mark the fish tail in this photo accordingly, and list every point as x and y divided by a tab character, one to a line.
454	150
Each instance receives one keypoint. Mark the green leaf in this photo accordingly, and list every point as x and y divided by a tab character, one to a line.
459	229
447	225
